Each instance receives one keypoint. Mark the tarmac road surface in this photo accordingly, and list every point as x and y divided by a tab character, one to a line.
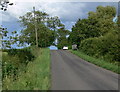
69	72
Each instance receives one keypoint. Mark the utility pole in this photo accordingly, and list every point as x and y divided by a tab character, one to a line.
35	28
119	8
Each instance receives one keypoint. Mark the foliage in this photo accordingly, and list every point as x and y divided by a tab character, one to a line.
8	41
106	47
13	60
54	23
98	24
98	35
36	75
62	39
45	36
83	29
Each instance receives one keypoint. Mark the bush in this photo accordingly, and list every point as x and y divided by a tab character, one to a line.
36	75
15	60
106	47
25	55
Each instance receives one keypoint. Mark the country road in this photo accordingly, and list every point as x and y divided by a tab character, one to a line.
69	72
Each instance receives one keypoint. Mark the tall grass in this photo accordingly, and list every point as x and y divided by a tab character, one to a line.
36	75
107	65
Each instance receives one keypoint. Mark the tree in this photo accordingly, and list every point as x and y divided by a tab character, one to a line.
100	34
54	24
45	35
6	40
83	29
104	17
3	35
97	24
62	39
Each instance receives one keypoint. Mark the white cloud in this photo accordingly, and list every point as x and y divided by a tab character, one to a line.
19	9
63	10
67	0
67	11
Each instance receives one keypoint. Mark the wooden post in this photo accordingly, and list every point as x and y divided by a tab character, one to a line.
35	28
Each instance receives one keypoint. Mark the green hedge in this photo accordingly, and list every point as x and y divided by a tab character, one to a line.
106	47
15	60
34	76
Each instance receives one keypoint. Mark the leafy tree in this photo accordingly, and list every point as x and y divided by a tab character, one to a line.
54	24
104	17
45	35
98	35
83	29
62	39
3	36
97	24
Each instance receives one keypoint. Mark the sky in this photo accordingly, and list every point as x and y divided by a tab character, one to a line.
68	11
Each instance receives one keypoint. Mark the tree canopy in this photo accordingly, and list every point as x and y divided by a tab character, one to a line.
45	35
98	35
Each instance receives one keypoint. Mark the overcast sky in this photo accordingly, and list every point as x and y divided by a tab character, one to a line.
68	12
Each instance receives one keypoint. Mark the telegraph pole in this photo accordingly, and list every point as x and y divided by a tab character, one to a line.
119	8
35	28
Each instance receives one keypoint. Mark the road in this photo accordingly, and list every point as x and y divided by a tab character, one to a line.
69	72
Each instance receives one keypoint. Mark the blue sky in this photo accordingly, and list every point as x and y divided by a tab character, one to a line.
68	12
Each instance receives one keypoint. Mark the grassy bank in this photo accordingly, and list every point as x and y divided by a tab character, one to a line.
98	62
36	75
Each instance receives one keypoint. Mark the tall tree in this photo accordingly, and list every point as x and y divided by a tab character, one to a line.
62	37
45	35
97	24
54	24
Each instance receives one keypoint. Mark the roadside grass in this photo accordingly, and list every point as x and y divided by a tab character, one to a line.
101	63
36	75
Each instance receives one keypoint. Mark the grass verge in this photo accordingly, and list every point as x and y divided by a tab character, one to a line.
36	76
98	62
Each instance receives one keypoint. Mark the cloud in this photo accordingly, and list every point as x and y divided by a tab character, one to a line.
68	0
68	12
17	10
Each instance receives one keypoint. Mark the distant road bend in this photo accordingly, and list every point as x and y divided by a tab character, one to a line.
69	72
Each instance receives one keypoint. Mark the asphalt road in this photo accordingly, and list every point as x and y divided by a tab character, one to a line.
69	72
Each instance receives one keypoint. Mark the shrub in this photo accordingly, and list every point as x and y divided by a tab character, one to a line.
106	47
15	60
